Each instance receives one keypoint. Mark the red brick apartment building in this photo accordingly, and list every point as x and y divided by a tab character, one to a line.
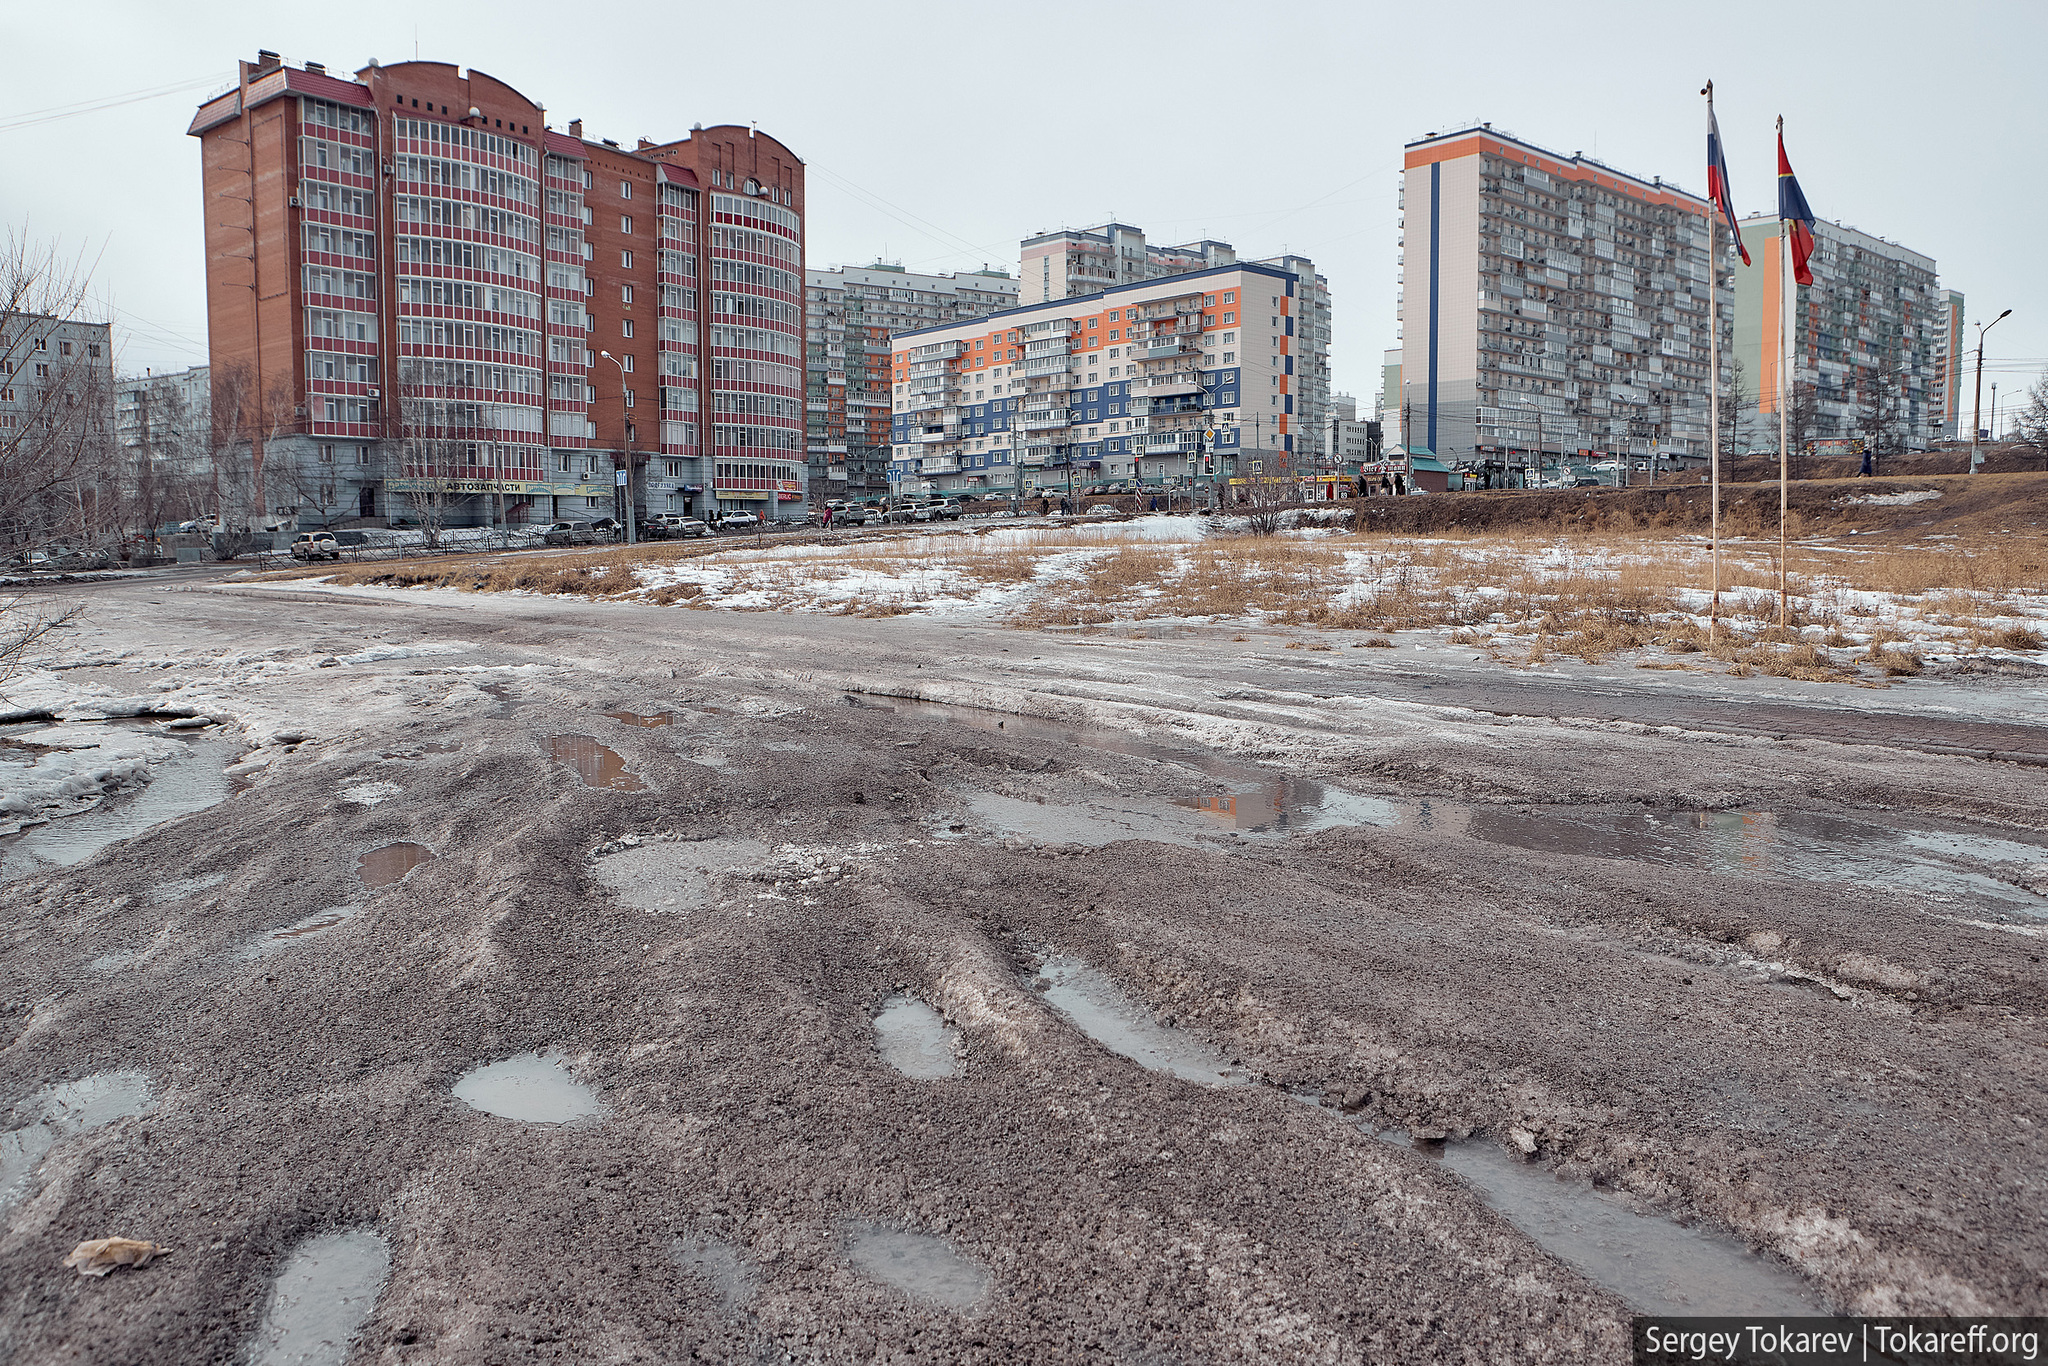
423	299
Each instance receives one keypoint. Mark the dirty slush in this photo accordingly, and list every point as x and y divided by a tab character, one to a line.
544	980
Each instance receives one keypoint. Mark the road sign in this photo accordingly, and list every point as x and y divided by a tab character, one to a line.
619	478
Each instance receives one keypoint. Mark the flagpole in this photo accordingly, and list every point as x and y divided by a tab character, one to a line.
1714	383
1787	299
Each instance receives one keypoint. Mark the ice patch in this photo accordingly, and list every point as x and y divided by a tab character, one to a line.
1890	500
370	794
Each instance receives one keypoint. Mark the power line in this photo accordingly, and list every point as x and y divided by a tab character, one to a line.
901	214
37	117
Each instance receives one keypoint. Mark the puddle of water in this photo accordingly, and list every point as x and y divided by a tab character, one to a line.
390	863
594	764
1099	1009
312	927
186	782
731	1279
672	877
528	1087
914	1040
321	1299
1805	846
1093	823
922	1267
1296	806
1658	1266
183	887
650	720
507	703
57	1112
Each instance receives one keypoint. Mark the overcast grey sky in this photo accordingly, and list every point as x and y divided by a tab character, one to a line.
938	135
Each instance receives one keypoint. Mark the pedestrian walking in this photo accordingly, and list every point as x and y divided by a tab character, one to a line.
1400	486
1866	465
828	519
1386	487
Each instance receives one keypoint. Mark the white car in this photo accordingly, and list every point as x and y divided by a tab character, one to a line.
737	521
315	545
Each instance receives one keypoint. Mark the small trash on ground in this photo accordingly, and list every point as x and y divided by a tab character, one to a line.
98	1256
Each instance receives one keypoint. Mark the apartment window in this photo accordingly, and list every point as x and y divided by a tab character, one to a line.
42	370
326	454
625	189
625	327
1208	301
628	362
333	410
1229	356
362	455
626	297
626	260
586	180
93	349
629	398
564	463
1113	314
1229	318
1230	338
625	222
63	348
42	343
1231	297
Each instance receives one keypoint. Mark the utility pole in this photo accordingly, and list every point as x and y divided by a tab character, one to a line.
626	432
1977	412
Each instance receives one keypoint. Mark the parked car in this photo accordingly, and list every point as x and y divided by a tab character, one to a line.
568	533
315	545
903	512
737	521
681	526
946	509
852	514
608	528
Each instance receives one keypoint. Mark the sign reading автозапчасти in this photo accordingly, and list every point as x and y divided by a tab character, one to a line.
1761	1341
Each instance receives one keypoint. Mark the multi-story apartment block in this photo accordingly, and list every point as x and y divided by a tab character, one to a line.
1867	338
57	440
165	422
1075	262
1079	262
1548	303
1125	384
1948	369
849	315
417	283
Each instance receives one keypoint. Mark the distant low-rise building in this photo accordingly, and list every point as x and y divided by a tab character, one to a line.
165	421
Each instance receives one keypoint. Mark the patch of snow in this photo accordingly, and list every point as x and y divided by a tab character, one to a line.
1890	500
370	794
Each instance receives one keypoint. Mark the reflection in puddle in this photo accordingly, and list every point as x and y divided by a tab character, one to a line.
922	1267
1089	998
594	764
188	781
1807	846
650	721
321	1298
57	1112
1658	1266
731	1279
383	866
528	1087
312	927
1099	821
914	1040
1296	806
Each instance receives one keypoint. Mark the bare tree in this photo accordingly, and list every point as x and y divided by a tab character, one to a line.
1882	404
57	447
426	453
1736	404
2030	427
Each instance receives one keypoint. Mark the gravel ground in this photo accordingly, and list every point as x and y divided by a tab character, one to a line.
1843	1073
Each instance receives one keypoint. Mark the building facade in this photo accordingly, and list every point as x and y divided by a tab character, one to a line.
1868	338
1186	378
57	441
1948	369
1548	304
425	301
166	421
1081	262
850	313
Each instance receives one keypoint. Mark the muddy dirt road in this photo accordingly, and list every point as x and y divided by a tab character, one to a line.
564	981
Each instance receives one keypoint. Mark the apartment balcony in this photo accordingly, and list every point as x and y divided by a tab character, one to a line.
938	464
932	438
1169	385
1059	347
936	351
1169	347
1045	419
1049	365
1166	443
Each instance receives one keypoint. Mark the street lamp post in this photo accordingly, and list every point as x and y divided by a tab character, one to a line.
626	431
1977	409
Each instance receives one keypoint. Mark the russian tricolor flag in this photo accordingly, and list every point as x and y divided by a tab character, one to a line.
1717	179
1793	213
